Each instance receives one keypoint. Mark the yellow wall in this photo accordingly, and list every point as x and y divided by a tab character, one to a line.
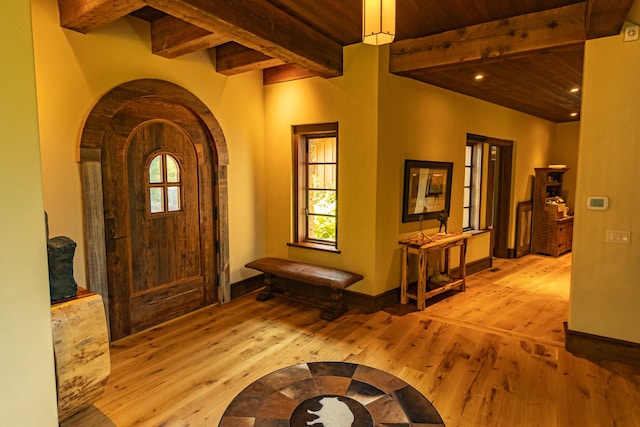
565	152
423	122
27	393
74	70
350	100
605	295
385	119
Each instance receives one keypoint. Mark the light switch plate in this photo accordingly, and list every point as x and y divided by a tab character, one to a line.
615	236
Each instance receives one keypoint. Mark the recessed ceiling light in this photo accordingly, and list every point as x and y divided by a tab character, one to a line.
575	90
574	114
479	76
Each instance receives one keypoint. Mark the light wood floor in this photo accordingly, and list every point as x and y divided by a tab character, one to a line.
492	356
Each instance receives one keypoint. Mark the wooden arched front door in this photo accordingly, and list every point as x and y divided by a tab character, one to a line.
162	225
158	212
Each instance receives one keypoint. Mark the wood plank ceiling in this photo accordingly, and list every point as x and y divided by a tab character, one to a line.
529	51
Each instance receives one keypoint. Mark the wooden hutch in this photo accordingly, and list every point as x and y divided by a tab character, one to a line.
552	231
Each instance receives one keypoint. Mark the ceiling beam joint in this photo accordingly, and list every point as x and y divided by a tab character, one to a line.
606	17
261	27
503	38
87	15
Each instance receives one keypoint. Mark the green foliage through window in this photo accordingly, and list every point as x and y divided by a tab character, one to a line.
316	184
322	215
321	187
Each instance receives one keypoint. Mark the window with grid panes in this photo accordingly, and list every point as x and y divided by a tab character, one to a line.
316	176
164	184
472	194
468	189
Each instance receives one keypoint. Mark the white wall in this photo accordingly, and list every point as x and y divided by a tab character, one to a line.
605	289
27	394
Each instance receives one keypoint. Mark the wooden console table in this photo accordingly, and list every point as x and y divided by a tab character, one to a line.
81	348
422	247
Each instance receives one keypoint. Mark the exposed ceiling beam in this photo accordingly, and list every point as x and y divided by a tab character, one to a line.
262	27
172	37
232	58
284	73
506	37
87	15
606	17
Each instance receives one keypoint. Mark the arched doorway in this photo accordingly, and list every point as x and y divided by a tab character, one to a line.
153	169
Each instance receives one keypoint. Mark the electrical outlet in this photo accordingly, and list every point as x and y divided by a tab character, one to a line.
631	33
614	236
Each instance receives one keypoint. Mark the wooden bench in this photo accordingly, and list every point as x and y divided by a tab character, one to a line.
315	275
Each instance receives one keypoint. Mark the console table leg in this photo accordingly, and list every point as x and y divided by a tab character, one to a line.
423	278
404	280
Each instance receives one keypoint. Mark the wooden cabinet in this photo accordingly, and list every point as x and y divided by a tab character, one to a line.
552	232
560	235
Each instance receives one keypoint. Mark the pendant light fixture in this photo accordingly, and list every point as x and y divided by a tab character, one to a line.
378	21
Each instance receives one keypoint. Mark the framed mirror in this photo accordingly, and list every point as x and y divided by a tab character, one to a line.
427	189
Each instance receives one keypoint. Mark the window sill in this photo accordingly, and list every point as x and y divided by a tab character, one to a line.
476	232
314	246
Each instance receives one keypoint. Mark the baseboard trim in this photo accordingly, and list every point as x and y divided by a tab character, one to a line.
364	302
371	303
479	265
596	347
246	286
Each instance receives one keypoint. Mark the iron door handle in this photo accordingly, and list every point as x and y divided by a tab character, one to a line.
111	235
